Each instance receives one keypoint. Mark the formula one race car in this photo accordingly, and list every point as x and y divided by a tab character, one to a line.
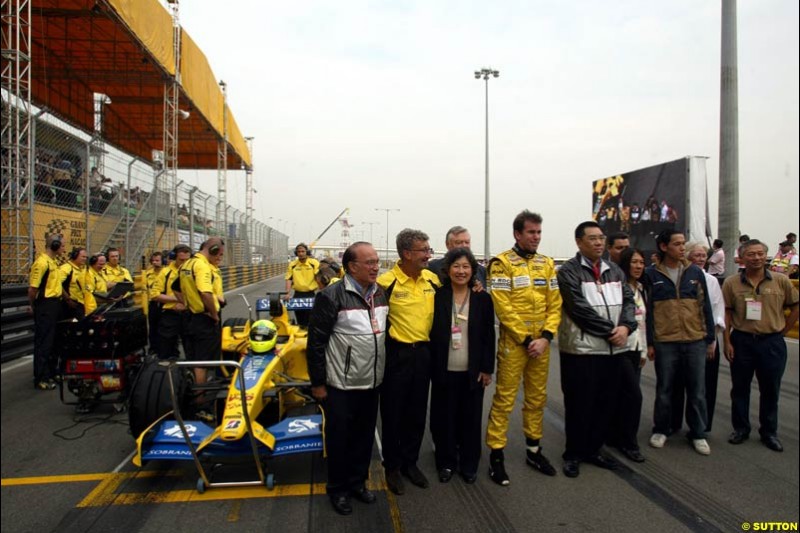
252	406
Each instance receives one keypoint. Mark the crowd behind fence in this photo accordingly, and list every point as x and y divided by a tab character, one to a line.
98	197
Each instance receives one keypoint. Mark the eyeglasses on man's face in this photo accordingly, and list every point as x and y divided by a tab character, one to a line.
370	263
422	250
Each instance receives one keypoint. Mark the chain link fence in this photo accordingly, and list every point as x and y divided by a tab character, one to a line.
97	197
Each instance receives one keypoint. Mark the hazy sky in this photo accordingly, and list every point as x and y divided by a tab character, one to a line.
374	105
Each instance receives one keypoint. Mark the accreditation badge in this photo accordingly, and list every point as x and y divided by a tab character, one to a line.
455	337
753	310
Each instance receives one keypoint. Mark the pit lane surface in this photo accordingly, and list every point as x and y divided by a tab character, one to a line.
68	473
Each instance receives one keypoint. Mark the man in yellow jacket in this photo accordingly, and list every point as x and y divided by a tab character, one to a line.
44	296
73	273
528	305
300	276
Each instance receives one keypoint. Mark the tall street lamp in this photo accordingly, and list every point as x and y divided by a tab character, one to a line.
370	224
387	229
486	73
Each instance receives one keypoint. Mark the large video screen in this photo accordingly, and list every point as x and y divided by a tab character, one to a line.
642	203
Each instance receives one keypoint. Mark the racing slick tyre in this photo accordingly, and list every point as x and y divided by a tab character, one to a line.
270	481
150	396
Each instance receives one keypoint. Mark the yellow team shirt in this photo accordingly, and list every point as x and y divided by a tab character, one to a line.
46	266
75	282
216	281
150	278
163	284
196	277
115	275
93	283
303	274
410	304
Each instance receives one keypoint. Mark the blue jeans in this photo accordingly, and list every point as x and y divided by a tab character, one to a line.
687	359
764	356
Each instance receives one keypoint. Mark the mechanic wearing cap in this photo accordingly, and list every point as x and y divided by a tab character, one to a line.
410	290
44	296
755	325
172	323
346	356
196	288
300	277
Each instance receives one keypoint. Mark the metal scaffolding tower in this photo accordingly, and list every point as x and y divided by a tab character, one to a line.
17	161
222	169
249	204
169	187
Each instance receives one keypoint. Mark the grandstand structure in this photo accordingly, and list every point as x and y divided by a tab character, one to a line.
103	103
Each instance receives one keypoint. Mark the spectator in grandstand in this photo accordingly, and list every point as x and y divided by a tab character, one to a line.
627	409
300	279
616	244
679	347
716	261
696	253
755	326
172	325
73	273
458	237
346	359
44	296
597	333
786	260
153	307
462	363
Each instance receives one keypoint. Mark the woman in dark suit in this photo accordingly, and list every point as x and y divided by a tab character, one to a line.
462	363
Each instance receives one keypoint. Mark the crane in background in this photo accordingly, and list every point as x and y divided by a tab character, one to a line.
345	229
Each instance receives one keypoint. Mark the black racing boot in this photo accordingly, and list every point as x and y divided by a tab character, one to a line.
535	458
497	468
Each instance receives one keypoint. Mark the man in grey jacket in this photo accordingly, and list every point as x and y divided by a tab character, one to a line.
597	316
346	356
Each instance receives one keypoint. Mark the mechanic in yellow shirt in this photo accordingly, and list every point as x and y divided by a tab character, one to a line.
173	322
196	290
153	307
410	288
44	296
73	274
300	276
94	284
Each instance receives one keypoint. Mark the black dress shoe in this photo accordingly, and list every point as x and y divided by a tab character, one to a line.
572	468
363	494
602	461
772	442
738	437
394	482
341	504
416	476
469	479
633	454
445	475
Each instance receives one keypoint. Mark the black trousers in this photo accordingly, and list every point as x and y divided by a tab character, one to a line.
404	402
302	316
46	314
456	416
171	327
679	393
153	320
627	410
588	382
350	418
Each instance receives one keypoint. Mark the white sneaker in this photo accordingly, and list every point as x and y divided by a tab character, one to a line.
658	440
701	446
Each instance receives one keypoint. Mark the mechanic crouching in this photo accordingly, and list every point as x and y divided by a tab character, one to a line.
346	356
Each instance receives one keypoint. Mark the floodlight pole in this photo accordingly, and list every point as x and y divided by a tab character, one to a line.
486	73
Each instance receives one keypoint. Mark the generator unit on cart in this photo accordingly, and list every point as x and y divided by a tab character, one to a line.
101	355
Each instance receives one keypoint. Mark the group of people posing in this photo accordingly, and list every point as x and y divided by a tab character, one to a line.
385	343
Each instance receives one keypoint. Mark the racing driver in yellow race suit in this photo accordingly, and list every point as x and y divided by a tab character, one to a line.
528	305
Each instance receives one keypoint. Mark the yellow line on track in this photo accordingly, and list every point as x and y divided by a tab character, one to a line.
75	478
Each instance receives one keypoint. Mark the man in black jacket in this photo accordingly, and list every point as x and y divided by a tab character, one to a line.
346	356
597	316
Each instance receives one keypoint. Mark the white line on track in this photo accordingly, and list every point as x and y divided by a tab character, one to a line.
124	462
24	361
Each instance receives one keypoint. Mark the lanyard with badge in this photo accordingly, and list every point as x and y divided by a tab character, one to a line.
752	306
455	330
376	328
